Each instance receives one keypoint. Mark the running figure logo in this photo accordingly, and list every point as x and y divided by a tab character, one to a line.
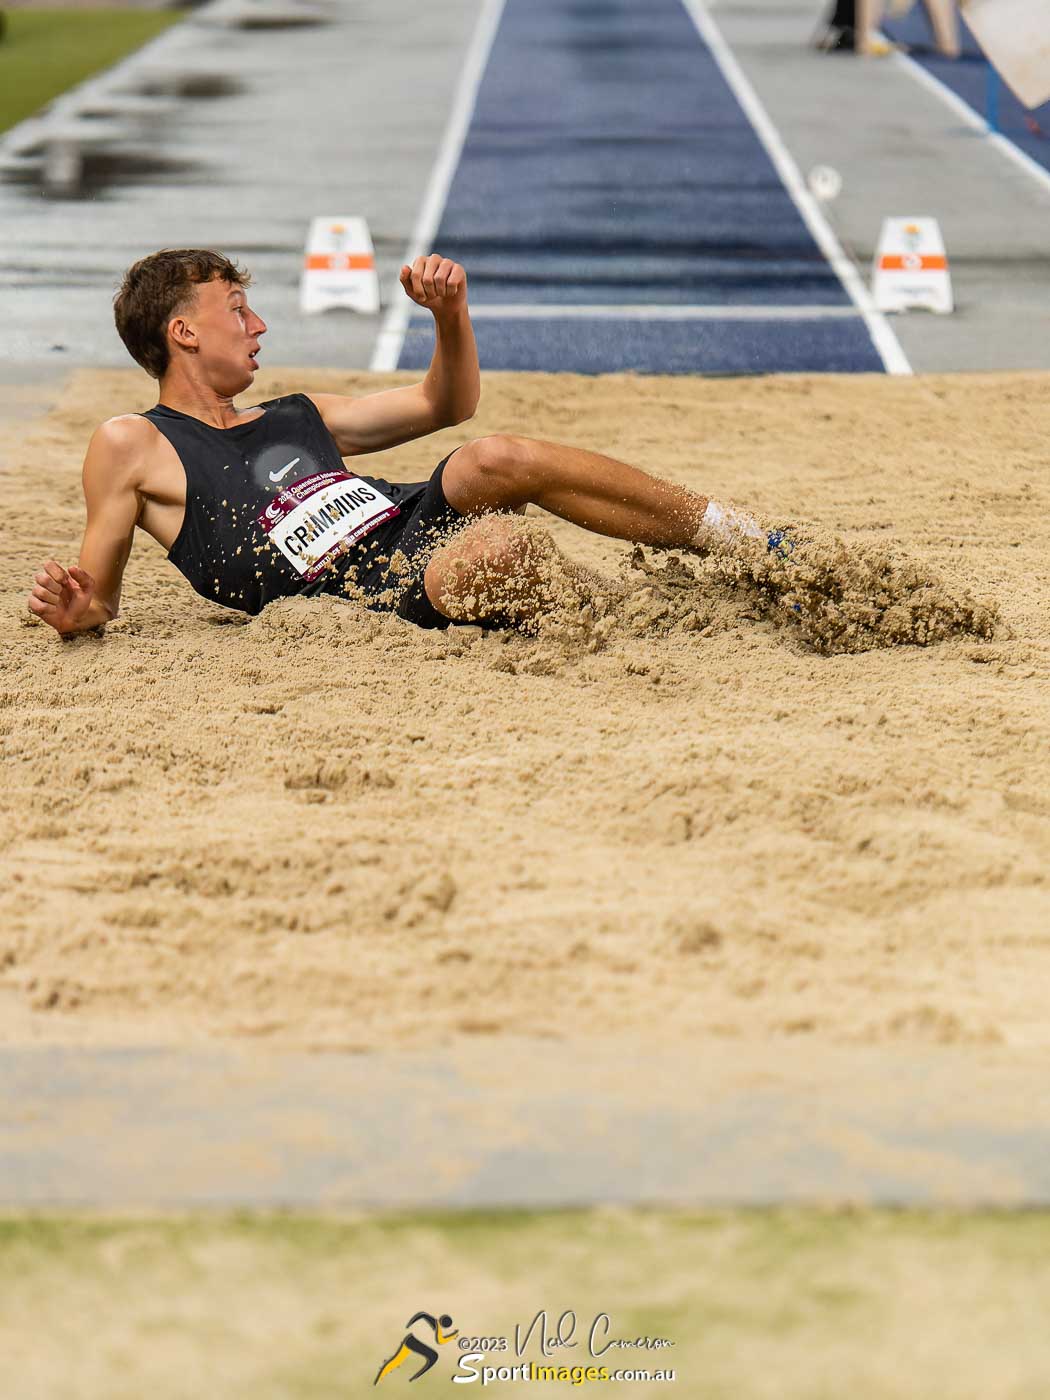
412	1345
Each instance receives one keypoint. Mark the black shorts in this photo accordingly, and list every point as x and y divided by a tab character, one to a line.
388	566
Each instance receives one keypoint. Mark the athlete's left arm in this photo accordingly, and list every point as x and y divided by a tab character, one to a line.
448	395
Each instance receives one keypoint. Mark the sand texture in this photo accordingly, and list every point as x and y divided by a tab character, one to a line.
716	800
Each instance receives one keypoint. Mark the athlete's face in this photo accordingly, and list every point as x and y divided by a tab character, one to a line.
227	335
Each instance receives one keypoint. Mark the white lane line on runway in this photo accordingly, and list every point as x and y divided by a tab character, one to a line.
537	311
391	336
972	118
886	342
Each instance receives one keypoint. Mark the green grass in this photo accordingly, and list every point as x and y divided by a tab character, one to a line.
785	1304
46	52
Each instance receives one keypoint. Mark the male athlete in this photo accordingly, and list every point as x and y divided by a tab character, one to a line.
254	504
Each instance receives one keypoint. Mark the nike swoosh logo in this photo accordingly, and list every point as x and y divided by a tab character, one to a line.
278	476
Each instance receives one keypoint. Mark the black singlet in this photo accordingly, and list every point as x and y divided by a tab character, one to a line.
272	510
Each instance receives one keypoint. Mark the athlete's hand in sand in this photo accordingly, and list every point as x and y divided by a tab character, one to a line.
63	597
436	283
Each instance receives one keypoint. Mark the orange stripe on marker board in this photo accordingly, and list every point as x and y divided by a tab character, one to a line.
339	262
912	262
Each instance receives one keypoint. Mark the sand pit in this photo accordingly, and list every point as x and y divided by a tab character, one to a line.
703	815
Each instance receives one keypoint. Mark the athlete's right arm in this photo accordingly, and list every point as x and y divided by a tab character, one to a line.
76	599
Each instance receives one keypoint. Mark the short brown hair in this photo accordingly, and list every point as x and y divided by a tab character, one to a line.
155	288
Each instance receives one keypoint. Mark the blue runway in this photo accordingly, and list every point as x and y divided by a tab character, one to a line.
609	164
967	77
601	346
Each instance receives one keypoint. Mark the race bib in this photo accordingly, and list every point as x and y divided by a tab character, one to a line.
321	516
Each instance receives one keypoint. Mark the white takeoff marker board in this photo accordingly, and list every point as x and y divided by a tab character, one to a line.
1015	34
911	267
339	268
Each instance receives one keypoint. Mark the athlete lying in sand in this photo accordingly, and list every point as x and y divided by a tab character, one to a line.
255	504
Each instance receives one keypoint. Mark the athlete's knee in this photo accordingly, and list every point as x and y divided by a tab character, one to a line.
490	566
497	544
501	459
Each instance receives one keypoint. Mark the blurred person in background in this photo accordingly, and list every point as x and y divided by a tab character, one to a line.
853	26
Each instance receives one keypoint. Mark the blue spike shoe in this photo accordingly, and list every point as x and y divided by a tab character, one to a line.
780	543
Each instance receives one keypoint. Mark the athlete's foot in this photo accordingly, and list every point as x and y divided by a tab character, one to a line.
780	543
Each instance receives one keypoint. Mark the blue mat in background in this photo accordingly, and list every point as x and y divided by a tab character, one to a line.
609	163
967	77
600	346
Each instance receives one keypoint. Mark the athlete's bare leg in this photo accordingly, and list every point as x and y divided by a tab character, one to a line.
503	473
496	566
499	565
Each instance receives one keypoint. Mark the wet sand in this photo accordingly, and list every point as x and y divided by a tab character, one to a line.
331	829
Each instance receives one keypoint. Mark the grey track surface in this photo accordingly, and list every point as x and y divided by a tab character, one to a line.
902	151
347	117
344	117
521	1123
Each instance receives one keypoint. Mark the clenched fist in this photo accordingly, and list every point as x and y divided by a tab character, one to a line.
436	283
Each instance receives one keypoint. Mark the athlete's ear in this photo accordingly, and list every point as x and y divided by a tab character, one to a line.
182	333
